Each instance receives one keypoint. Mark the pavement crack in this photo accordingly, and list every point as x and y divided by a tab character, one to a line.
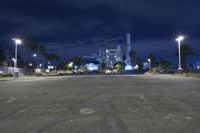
110	119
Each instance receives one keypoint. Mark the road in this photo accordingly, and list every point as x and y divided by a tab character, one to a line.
100	104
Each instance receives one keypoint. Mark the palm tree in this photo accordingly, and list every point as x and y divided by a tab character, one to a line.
186	50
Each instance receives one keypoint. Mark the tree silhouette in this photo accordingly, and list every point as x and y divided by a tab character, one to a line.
164	65
2	56
78	61
153	59
11	55
31	45
133	56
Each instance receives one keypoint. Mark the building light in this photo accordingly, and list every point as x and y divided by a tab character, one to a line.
136	67
128	67
50	67
92	67
13	59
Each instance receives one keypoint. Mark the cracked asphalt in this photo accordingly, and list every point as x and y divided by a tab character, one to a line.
100	104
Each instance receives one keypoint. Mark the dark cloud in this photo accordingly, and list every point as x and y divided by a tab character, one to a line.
101	17
63	20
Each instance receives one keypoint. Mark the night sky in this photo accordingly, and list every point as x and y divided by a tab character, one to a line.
82	27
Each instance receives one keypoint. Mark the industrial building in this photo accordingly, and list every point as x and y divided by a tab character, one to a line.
110	56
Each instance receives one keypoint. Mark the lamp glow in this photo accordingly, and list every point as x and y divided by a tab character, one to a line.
34	55
180	38
17	41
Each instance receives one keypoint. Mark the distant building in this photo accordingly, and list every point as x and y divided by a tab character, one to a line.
109	55
92	63
113	56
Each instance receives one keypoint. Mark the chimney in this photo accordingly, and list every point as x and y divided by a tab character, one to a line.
128	41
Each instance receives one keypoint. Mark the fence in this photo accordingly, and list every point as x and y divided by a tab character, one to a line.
9	70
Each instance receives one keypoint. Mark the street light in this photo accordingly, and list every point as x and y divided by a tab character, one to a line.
149	60
179	39
17	42
70	65
34	55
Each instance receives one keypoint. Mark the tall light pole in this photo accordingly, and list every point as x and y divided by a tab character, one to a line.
17	42
149	60
179	39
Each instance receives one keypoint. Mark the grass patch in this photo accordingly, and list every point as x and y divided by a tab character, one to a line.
5	75
190	74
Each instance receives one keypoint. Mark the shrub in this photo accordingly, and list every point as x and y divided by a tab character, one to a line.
4	75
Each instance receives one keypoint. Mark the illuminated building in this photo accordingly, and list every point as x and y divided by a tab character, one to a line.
111	56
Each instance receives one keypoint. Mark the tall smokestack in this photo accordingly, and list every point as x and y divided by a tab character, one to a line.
128	41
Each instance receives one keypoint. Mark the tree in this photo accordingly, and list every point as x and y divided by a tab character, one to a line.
139	63
186	50
133	56
20	62
153	60
63	65
11	55
124	57
119	66
135	59
56	57
31	45
78	61
51	57
46	56
102	65
41	49
164	65
2	56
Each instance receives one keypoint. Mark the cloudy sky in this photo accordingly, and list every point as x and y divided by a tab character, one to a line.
72	27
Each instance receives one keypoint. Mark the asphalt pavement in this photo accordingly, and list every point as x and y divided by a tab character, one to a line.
100	104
